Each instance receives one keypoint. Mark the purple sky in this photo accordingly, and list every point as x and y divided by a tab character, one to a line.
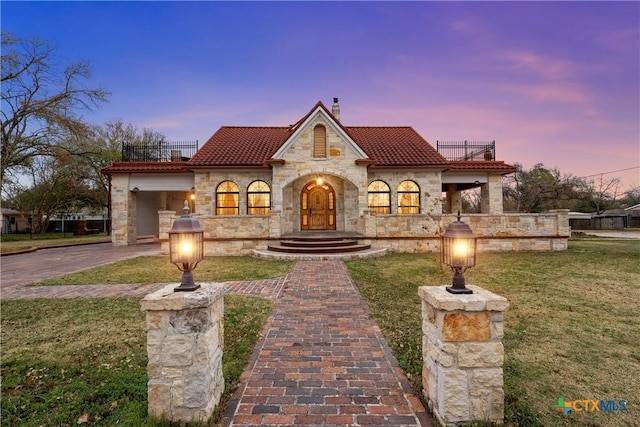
553	83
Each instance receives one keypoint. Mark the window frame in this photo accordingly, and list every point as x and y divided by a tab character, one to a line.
379	208
319	147
266	208
219	193
415	192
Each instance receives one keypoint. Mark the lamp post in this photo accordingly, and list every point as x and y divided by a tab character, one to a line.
458	251
186	247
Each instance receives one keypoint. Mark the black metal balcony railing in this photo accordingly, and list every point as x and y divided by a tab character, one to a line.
159	151
467	150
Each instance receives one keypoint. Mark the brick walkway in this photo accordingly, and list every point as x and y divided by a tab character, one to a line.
322	360
266	288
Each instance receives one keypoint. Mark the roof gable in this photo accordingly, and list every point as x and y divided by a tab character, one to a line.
319	110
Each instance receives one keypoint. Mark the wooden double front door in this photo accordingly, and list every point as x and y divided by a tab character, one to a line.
317	207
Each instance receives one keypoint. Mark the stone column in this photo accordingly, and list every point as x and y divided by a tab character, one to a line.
369	223
463	354
184	345
491	196
123	212
454	199
275	229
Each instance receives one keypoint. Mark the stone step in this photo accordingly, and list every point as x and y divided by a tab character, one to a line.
367	253
318	243
315	249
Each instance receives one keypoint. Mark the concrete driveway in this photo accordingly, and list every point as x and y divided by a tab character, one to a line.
22	269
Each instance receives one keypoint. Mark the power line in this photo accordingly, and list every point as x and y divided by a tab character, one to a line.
606	173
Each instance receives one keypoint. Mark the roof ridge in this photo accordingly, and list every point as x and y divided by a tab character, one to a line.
254	127
398	126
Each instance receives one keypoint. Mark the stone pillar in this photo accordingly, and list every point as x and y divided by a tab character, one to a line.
369	223
184	345
165	221
275	229
454	199
463	354
491	196
123	212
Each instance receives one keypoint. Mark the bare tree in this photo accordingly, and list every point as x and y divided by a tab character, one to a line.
602	192
41	104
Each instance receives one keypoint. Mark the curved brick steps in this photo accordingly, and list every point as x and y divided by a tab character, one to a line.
318	246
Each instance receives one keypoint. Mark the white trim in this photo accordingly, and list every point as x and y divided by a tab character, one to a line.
161	182
464	178
319	111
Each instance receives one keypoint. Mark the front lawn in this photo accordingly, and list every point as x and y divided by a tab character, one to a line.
159	269
83	361
571	330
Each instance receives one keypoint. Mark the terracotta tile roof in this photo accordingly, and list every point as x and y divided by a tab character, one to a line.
251	147
396	146
254	146
240	146
145	167
481	165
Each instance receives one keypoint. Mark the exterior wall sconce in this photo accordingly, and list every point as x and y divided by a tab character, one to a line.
186	248
319	180
458	251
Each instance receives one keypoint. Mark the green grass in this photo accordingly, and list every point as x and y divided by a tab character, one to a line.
83	361
159	269
571	330
19	242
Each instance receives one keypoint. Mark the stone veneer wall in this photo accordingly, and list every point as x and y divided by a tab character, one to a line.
231	235
339	169
500	233
430	183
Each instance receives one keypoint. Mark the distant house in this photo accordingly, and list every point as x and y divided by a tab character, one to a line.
612	219
633	216
249	185
13	221
617	219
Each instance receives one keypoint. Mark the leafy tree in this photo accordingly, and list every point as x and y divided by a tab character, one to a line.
57	189
540	189
41	104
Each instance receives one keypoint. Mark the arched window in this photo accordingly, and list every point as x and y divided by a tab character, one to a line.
258	198
319	141
379	197
408	198
227	197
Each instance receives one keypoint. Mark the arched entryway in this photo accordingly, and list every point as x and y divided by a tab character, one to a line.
317	207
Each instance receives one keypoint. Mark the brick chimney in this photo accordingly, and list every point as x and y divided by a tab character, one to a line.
335	109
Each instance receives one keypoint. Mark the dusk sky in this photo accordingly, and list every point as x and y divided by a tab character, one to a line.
553	83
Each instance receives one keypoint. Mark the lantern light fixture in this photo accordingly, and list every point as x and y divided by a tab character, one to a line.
458	251
186	247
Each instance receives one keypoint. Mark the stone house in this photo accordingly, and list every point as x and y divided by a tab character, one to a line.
384	184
